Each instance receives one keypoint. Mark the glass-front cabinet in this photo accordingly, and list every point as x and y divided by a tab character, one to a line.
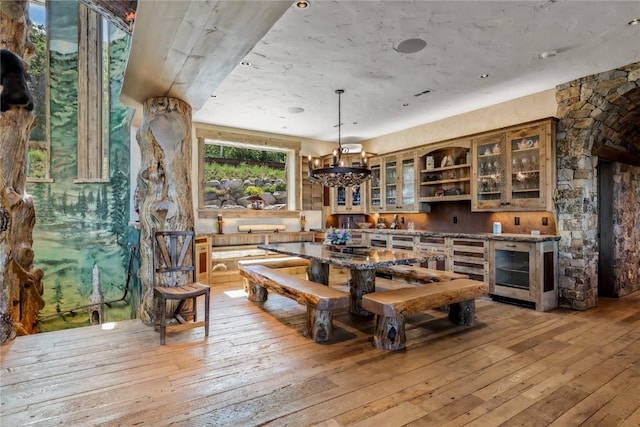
445	172
399	187
349	199
489	185
391	181
375	187
513	170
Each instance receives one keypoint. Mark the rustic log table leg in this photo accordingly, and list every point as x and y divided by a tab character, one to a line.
463	313
256	292
319	324
390	333
362	282
318	272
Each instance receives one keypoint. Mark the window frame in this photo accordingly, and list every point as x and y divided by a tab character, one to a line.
93	109
254	141
47	112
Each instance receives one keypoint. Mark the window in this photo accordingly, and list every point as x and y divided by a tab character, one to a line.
247	175
38	153
89	47
93	96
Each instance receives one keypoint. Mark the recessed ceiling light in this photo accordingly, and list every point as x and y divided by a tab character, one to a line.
245	64
483	76
548	54
634	22
410	46
295	110
303	4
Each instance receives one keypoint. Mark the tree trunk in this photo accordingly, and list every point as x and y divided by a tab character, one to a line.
164	182
21	295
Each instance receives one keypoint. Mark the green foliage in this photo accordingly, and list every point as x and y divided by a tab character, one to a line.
82	204
253	190
245	154
38	84
58	297
37	163
281	186
242	171
269	189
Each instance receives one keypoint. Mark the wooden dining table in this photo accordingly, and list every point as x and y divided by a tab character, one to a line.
362	262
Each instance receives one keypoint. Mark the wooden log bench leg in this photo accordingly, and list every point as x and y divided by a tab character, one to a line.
463	313
320	299
390	333
361	282
319	324
255	292
318	272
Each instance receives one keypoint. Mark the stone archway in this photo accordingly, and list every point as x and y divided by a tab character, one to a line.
599	117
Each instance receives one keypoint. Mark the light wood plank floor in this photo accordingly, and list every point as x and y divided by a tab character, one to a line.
514	367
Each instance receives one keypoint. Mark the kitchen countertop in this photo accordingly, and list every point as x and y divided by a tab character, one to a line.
483	236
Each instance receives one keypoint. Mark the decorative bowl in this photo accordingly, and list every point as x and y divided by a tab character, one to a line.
364	224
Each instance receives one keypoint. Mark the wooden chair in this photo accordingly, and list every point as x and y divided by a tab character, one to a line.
174	281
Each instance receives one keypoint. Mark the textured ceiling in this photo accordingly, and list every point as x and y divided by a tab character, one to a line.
288	87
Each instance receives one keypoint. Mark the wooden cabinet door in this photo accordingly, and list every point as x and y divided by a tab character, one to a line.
349	199
489	183
203	258
399	183
514	170
376	199
408	178
528	174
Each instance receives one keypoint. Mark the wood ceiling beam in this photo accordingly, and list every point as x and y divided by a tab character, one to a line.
614	155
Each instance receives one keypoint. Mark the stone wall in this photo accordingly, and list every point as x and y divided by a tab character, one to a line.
599	109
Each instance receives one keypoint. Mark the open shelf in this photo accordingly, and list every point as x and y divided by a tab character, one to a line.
446	181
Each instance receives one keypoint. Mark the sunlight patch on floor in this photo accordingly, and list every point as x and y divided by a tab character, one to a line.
236	293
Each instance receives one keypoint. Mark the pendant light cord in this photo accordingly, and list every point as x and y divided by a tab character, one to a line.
339	92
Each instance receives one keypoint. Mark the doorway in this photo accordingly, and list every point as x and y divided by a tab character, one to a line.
606	282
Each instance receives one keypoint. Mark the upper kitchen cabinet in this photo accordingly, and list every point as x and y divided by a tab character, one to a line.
445	171
376	202
349	199
399	182
514	169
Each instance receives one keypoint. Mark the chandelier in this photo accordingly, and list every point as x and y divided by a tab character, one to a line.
338	174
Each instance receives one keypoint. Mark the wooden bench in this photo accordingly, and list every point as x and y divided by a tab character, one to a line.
289	264
392	307
276	262
320	300
419	275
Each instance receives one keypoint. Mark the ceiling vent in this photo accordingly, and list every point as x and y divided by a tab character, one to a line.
424	92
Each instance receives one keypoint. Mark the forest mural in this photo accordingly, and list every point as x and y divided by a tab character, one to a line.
82	225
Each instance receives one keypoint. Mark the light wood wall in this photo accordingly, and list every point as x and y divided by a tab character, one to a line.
520	110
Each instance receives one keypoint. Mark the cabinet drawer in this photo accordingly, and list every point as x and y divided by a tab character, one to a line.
469	256
402	242
512	246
